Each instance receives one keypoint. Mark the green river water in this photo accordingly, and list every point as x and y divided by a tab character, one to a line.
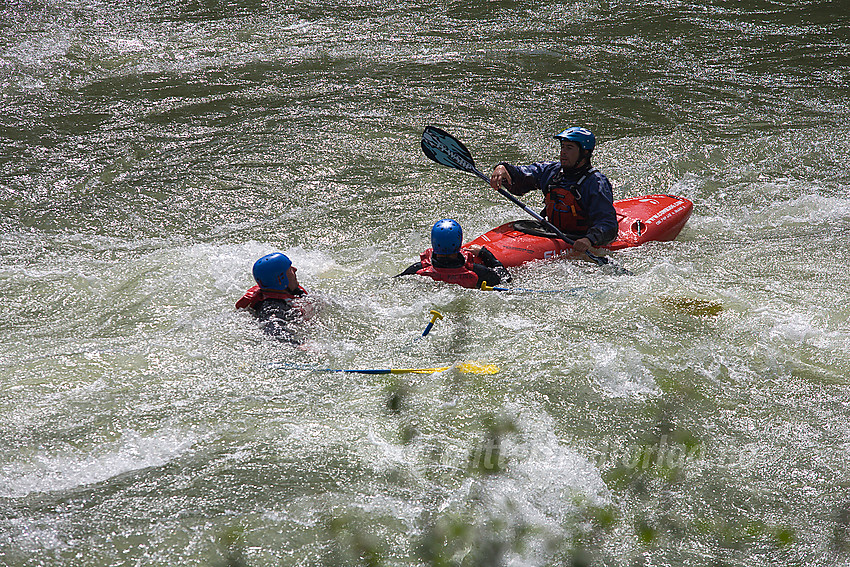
694	413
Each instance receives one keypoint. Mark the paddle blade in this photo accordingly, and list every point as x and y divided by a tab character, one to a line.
476	368
444	148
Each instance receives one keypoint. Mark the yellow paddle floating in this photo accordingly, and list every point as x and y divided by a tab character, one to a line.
465	367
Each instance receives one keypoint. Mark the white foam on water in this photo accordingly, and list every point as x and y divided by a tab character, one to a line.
69	469
621	371
535	480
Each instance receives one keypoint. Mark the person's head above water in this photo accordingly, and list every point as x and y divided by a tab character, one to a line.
275	272
577	146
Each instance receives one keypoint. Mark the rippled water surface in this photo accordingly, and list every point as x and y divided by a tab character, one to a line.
694	413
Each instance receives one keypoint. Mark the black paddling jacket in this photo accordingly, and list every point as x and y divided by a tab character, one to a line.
276	312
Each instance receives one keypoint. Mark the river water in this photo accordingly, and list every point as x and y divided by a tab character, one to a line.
694	413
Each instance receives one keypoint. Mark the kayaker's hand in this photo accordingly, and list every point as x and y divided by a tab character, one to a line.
475	249
500	177
581	245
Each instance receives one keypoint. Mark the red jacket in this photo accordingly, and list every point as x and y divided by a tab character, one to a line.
463	276
255	295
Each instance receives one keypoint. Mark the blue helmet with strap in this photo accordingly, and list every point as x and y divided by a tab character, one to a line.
581	136
446	236
270	271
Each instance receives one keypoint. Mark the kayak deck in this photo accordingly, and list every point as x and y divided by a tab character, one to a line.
641	219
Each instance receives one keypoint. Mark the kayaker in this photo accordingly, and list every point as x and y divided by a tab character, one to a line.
276	300
578	197
446	262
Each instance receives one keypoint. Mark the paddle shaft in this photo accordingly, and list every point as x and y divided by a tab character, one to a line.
573	290
371	370
400	370
466	367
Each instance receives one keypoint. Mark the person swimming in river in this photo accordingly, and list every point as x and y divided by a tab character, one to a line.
446	262
277	301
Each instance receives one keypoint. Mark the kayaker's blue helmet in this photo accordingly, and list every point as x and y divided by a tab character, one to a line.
581	136
270	271
446	236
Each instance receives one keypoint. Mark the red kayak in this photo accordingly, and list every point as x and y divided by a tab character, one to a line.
641	219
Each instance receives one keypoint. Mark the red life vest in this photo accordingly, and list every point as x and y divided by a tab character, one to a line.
255	295
462	276
562	206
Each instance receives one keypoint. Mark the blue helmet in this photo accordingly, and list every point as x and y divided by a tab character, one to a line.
270	271
582	136
446	236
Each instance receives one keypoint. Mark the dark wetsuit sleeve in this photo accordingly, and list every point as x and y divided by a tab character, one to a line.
526	178
279	319
521	182
412	269
487	275
490	261
598	204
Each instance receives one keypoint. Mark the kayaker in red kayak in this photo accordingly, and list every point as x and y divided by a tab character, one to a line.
578	197
446	262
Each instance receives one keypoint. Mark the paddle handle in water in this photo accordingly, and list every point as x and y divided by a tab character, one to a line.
434	316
